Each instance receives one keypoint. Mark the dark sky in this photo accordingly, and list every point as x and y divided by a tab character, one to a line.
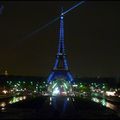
92	37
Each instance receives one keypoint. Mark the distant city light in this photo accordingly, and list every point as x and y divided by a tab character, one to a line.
24	97
75	85
95	99
3	104
2	108
109	93
103	102
21	98
4	91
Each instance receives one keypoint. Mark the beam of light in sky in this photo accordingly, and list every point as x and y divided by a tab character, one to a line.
25	37
73	7
51	22
41	28
46	25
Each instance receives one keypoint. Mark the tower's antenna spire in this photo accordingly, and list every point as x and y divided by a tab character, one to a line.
61	34
61	11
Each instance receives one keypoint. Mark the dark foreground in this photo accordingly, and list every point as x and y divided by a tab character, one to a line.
57	108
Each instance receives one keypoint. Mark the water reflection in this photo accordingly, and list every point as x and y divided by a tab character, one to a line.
110	105
54	102
2	106
104	103
17	99
65	104
4	103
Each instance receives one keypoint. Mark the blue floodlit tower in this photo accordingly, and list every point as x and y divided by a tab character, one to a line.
61	69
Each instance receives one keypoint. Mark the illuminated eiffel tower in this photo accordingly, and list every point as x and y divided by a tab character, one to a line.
61	69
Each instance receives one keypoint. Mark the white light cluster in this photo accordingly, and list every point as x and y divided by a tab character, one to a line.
56	91
75	85
109	93
5	91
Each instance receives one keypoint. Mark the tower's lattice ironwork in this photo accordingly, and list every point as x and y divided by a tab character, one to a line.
60	69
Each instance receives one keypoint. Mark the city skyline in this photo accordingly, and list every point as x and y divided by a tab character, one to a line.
91	38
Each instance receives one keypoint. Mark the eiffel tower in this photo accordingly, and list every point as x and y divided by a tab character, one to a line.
60	69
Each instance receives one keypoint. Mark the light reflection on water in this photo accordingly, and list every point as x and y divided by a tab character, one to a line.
11	101
104	103
17	99
53	102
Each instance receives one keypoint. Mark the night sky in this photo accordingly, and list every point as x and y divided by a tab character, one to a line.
92	37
